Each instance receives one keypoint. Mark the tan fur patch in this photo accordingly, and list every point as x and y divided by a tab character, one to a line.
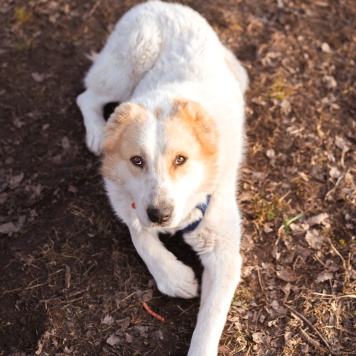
124	114
189	131
120	137
200	122
197	134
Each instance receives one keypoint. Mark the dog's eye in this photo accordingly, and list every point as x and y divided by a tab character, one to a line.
137	161
180	160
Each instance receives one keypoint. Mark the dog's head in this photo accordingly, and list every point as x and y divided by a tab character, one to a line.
163	158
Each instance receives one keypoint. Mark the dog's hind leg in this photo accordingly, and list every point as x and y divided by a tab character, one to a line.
91	105
131	51
236	68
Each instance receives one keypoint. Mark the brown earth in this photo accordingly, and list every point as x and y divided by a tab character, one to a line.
71	281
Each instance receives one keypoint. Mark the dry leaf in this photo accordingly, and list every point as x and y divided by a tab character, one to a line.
223	350
324	276
334	173
92	56
128	338
275	304
287	275
113	340
270	153
269	267
245	196
330	82
151	283
16	180
285	106
340	142
297	228
145	296
259	338
332	266
38	77
108	320
157	334
267	228
317	219
9	228
18	123
314	239
65	143
141	329
325	47
123	323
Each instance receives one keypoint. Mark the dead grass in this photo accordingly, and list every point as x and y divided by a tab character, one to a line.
72	283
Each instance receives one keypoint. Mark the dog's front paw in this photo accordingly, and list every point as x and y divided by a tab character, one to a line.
178	281
95	137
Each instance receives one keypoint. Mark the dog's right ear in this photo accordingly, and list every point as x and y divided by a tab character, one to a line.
123	115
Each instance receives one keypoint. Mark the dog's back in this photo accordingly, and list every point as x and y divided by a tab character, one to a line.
159	42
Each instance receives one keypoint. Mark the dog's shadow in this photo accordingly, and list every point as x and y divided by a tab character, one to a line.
109	108
176	244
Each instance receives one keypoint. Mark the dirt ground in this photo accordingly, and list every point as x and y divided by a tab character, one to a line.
71	282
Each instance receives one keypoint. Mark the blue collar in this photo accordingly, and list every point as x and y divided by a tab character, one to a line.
202	207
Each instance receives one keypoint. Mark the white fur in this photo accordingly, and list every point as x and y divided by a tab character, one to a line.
159	52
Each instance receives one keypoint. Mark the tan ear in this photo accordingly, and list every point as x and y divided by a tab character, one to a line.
202	123
118	121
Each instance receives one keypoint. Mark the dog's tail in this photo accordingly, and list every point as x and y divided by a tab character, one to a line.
237	69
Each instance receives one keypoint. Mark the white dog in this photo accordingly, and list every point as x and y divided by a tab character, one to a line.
172	150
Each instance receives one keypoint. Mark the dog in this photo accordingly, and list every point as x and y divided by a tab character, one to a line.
172	149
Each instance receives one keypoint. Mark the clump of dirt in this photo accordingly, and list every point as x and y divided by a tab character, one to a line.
71	280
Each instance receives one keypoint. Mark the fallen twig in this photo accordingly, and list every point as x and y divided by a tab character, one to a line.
93	9
73	294
67	277
33	286
306	337
89	269
334	188
127	297
347	278
149	311
303	318
260	279
68	302
26	288
352	296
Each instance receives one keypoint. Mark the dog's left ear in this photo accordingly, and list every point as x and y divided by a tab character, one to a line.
201	122
123	115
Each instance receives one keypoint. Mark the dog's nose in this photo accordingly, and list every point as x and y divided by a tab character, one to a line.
159	216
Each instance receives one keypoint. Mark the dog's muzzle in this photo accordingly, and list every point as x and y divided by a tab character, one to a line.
159	215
